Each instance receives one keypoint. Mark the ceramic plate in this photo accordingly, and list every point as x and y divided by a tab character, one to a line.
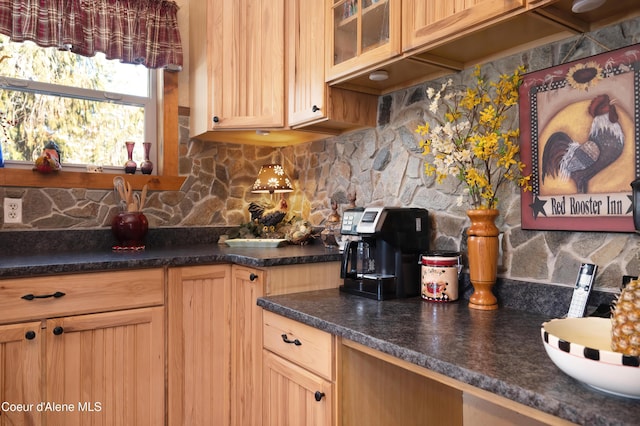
256	242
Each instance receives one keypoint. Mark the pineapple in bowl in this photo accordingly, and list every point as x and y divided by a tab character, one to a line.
625	321
600	352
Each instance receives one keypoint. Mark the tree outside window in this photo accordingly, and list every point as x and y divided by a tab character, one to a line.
89	106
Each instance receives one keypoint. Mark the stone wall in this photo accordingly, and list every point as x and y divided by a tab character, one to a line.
382	166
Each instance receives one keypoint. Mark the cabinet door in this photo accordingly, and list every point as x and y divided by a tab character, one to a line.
293	395
427	21
106	368
360	34
199	341
247	58
20	374
246	364
305	38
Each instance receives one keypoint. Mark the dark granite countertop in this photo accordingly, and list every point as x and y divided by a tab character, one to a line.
499	351
59	262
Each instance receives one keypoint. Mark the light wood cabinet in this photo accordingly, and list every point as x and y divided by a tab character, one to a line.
426	22
313	105
293	395
199	345
247	333
21	369
91	348
298	374
361	33
259	65
215	337
236	64
108	368
444	37
248	285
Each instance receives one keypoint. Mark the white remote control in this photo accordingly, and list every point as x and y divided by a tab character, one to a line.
582	289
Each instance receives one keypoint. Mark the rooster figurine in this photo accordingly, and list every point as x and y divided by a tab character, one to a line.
49	160
267	214
580	162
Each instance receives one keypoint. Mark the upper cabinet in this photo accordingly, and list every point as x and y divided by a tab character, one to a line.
428	21
442	37
236	64
305	61
312	103
361	33
257	75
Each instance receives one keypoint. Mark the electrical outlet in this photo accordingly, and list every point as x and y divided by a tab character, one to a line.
13	210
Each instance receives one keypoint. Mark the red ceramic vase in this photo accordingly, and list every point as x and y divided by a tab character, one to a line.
130	228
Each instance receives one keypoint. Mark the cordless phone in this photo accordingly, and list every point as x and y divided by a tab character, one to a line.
582	289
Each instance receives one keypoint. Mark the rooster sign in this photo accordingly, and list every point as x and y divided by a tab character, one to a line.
578	140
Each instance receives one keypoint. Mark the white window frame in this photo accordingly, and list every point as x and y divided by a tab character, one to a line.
149	103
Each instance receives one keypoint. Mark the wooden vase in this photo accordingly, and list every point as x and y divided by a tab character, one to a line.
482	245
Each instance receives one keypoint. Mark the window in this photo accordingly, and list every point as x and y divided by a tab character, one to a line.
89	106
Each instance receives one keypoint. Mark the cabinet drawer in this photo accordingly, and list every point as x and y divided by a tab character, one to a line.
306	346
24	299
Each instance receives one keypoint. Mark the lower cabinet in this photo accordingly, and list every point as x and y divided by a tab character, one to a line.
21	383
298	373
215	336
68	367
107	368
199	345
293	395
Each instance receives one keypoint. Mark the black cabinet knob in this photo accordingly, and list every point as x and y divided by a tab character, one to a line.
319	395
58	330
253	277
216	119
30	335
315	108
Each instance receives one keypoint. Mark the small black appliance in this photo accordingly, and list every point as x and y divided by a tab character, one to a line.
385	262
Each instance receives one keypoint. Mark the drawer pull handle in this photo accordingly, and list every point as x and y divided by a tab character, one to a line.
319	395
58	330
57	294
30	335
253	277
287	340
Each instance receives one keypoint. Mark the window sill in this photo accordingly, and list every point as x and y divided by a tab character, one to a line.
62	179
66	179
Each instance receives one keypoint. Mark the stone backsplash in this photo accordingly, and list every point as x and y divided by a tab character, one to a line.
381	166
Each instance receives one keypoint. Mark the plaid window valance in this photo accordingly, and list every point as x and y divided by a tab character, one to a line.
133	31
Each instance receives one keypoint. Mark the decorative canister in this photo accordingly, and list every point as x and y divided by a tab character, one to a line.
440	272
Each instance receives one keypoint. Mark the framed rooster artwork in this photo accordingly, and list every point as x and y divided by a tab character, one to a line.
579	127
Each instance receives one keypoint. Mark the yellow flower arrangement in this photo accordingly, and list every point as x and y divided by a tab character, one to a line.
470	140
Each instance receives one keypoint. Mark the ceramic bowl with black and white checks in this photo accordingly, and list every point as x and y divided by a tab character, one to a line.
581	348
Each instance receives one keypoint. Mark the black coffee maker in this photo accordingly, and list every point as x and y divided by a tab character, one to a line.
384	263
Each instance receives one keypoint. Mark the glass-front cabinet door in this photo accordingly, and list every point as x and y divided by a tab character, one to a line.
362	33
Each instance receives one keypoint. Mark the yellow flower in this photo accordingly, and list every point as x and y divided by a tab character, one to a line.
468	138
487	115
